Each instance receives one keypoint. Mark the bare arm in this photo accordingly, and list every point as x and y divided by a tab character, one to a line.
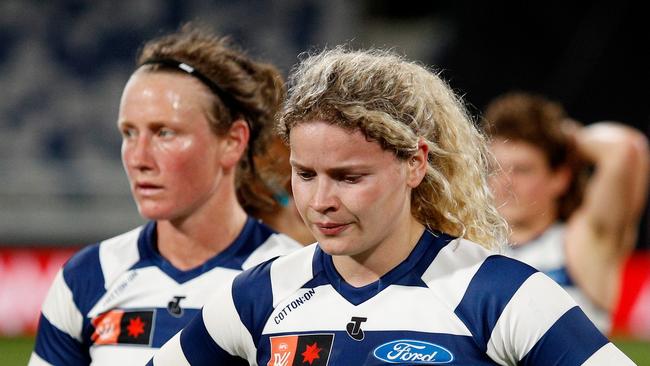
603	230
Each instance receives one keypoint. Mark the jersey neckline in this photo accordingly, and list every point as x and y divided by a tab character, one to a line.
408	273
149	254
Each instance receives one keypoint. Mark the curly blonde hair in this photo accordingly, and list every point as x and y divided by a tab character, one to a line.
395	102
253	91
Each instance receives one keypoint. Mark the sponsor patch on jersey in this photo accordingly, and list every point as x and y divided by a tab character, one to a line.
413	352
301	350
123	327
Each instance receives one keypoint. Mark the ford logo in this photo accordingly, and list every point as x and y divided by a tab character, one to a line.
414	352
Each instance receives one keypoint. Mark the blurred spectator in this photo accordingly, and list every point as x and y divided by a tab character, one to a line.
572	195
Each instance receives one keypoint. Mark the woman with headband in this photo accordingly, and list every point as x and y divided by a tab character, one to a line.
193	116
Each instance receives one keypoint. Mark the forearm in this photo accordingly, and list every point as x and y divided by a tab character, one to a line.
601	234
617	191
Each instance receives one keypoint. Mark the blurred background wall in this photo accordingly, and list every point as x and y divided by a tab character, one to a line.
63	64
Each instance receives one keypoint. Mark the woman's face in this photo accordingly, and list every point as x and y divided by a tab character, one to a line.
526	189
353	195
170	154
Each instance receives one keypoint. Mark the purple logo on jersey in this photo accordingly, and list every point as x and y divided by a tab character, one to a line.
413	352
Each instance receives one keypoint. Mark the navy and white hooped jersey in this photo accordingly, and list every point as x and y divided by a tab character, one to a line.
546	254
450	302
115	302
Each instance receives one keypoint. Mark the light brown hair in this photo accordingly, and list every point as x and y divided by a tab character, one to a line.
254	91
539	121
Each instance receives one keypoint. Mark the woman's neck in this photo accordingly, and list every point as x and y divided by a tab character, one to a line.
190	241
367	267
521	233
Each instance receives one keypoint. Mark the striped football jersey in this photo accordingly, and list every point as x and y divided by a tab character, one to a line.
450	302
546	254
115	302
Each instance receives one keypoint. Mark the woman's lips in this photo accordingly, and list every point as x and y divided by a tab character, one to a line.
331	228
147	189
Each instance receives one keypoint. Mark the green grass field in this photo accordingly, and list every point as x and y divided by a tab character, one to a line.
15	351
638	351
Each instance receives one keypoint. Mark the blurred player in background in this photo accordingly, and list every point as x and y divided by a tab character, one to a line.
278	209
194	116
572	195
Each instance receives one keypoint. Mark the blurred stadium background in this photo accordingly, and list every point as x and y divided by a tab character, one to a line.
63	65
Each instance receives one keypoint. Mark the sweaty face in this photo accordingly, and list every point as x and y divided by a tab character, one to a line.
525	187
169	152
353	196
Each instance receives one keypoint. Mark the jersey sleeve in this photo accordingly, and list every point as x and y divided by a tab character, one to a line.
542	325
195	346
59	339
277	244
216	336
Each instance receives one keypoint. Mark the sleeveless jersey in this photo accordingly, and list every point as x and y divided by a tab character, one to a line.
450	302
115	302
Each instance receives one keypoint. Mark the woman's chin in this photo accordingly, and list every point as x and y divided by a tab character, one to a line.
334	246
154	213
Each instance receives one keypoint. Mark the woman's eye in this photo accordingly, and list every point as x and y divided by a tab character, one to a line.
351	179
165	132
305	175
127	132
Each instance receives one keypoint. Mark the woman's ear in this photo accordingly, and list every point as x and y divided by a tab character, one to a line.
418	164
235	143
561	180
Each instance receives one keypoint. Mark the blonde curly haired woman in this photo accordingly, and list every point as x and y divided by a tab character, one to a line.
390	176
